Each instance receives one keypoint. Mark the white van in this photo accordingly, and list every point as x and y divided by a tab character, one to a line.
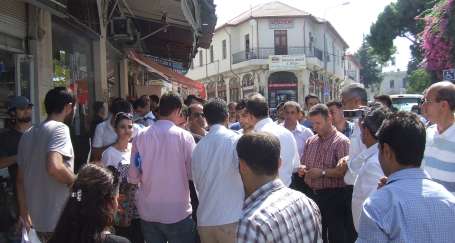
405	102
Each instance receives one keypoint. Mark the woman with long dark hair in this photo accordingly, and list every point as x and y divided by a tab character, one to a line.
90	208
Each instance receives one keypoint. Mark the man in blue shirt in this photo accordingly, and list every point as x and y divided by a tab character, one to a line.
410	207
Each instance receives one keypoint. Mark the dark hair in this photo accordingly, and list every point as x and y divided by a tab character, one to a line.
319	109
335	103
447	94
280	105
261	152
356	90
169	103
257	106
88	210
373	118
97	106
385	99
216	111
405	134
122	116
155	98
141	102
120	105
310	96
241	105
57	98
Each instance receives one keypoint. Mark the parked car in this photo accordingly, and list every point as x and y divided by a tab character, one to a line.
405	102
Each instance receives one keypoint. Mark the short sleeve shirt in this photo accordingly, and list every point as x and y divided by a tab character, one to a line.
45	197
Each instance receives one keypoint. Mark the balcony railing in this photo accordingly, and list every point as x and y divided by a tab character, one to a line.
265	52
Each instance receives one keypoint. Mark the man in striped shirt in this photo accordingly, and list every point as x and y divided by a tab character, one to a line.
439	157
319	166
272	212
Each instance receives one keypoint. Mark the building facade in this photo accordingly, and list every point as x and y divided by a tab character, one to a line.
393	82
279	51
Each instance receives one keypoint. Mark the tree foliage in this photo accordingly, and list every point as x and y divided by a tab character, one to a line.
370	72
399	19
418	81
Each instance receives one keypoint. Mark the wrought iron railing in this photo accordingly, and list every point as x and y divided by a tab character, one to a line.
265	52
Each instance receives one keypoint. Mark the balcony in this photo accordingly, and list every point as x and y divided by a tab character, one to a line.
265	52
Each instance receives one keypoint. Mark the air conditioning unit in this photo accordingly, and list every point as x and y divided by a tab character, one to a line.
121	29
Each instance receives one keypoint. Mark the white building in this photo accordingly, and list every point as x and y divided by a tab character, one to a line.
275	49
393	83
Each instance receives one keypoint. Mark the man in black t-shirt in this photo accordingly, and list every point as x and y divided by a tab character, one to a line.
20	112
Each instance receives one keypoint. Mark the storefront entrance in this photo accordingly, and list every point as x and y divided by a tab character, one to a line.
282	88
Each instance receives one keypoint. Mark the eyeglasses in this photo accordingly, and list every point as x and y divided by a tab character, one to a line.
198	114
427	101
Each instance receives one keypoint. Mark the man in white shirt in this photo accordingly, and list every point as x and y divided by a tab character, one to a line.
142	109
292	111
257	110
105	134
369	174
216	177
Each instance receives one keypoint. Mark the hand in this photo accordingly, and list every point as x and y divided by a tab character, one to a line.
313	173
382	181
26	221
301	170
343	162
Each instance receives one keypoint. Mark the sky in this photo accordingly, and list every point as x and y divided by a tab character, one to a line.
352	20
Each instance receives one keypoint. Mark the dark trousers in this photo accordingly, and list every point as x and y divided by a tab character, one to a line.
181	232
331	203
132	232
351	234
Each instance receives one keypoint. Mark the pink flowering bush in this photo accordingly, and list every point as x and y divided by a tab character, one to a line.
438	37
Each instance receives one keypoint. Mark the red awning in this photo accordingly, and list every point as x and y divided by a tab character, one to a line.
167	73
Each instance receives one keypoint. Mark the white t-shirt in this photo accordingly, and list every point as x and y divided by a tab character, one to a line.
114	157
105	134
355	148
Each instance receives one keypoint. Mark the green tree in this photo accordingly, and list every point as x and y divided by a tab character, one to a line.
399	19
418	81
370	72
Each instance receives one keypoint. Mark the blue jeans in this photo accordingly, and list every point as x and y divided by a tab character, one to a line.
181	232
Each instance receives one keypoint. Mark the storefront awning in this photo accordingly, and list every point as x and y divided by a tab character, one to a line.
167	73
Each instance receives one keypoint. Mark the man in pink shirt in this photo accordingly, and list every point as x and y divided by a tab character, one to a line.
161	165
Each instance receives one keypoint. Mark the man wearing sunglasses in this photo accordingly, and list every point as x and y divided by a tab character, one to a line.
196	119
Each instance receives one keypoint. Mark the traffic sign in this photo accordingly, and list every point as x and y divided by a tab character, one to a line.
449	74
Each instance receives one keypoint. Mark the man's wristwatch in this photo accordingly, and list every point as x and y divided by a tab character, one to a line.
323	173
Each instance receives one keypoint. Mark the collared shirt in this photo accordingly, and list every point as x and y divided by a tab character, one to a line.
215	170
275	213
439	158
367	181
289	153
409	208
324	153
146	120
301	134
161	165
355	148
105	134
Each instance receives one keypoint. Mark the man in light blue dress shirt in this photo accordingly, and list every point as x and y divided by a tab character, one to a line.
410	207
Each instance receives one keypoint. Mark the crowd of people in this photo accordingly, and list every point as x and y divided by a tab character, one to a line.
163	170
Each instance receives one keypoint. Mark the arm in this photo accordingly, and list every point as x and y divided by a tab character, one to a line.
7	161
190	144
23	209
135	170
57	169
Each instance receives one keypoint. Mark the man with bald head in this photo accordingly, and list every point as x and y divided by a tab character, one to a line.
439	158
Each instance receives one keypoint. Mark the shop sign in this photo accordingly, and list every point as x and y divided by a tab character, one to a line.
281	23
287	62
283	86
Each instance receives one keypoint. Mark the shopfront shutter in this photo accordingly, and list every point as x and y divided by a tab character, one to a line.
13	18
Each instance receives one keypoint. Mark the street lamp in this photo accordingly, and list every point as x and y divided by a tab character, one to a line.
338	5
